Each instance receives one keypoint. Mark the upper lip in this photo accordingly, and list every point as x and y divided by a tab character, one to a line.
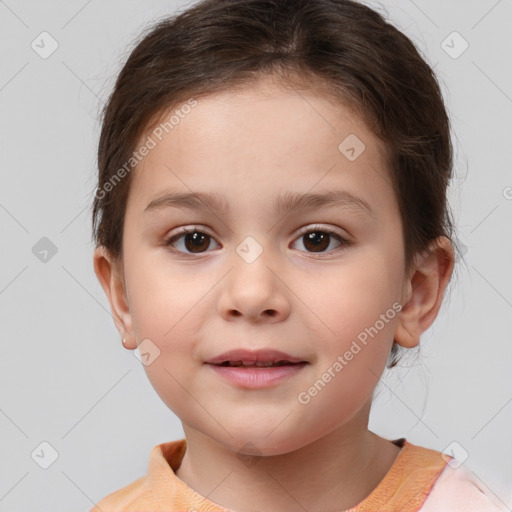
254	356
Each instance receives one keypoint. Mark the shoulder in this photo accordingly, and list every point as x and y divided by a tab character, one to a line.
458	489
129	497
160	489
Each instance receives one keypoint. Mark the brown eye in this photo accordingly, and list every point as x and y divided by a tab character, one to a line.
317	240
193	241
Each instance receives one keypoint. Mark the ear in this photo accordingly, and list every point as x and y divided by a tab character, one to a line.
423	291
110	275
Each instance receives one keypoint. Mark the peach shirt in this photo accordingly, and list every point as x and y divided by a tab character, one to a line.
419	479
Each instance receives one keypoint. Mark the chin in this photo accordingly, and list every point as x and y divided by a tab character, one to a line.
248	443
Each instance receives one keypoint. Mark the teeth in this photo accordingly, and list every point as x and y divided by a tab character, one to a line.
259	364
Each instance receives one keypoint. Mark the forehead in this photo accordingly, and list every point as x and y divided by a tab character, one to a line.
259	139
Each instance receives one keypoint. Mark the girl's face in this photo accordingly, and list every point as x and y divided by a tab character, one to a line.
259	274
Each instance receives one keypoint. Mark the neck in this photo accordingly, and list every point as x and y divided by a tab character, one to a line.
334	473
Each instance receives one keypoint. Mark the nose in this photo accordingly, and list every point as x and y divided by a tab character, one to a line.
253	290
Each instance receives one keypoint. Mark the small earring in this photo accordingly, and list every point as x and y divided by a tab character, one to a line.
124	341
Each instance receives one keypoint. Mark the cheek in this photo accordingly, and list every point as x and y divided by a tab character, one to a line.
346	300
165	309
355	310
162	300
168	308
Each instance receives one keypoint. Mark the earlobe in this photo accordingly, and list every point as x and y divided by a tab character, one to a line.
423	291
109	274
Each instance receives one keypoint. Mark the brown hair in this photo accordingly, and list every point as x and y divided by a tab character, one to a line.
340	46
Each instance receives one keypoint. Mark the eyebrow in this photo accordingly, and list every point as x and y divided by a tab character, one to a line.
284	203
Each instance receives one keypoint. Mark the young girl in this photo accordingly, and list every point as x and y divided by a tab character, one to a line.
272	231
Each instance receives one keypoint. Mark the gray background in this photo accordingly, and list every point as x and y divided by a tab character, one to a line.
66	379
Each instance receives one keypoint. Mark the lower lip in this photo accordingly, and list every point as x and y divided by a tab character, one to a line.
257	377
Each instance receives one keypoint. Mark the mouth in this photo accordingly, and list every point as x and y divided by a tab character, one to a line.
258	364
263	358
256	370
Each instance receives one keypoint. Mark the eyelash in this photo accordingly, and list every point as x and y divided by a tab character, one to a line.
315	228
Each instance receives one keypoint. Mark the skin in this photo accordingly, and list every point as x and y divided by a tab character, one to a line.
251	145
